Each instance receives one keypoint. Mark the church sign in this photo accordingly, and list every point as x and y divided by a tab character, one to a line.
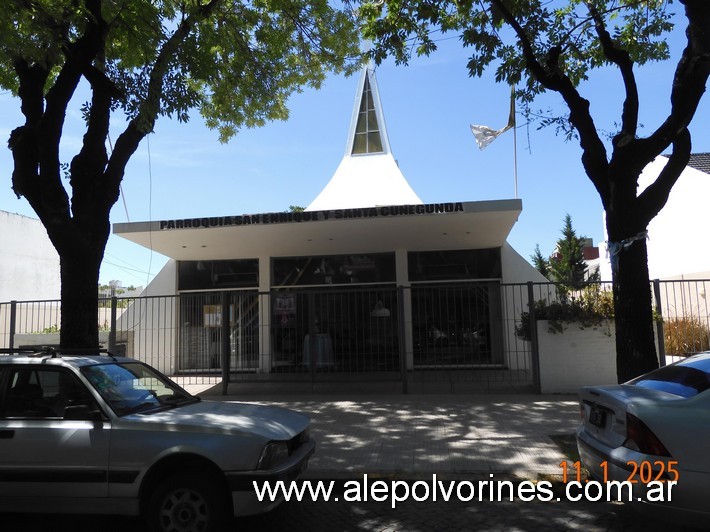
312	216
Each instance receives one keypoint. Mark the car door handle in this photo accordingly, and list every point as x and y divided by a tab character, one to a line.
7	434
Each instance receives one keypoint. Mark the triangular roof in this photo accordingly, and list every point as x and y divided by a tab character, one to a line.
700	161
368	175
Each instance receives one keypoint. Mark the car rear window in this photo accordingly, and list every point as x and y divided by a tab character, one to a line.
685	379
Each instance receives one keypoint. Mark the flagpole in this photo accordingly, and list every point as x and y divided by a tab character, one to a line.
515	160
515	146
484	135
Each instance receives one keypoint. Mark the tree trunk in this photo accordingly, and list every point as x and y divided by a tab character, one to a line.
80	280
635	346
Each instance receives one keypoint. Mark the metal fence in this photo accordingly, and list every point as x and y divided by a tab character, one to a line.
443	337
683	316
681	311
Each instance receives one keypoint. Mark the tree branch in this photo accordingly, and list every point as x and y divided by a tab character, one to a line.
655	196
594	157
689	82
79	56
90	162
23	140
143	123
26	143
621	58
47	195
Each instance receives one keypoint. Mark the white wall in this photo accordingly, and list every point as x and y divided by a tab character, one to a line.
29	264
149	325
515	301
677	239
518	270
579	356
164	283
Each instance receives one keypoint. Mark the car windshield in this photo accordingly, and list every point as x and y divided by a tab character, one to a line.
133	387
686	379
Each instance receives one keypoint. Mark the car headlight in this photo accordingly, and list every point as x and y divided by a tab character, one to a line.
274	453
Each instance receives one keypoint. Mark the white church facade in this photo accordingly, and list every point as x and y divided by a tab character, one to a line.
368	277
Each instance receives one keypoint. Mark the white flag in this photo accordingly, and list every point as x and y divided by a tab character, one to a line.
485	135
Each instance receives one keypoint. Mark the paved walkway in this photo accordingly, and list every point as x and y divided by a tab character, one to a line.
459	437
424	434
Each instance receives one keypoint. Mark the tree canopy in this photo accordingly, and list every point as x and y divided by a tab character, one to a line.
540	262
567	265
234	62
552	45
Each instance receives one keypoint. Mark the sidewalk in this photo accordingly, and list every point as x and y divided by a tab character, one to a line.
425	434
457	437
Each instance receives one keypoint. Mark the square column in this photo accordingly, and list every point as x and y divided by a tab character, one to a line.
402	277
265	355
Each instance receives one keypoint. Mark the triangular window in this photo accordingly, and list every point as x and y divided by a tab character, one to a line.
367	132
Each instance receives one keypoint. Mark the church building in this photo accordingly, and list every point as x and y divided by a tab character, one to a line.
368	278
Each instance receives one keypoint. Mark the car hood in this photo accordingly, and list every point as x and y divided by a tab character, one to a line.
270	422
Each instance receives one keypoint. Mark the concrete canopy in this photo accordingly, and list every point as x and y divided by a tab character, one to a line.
471	225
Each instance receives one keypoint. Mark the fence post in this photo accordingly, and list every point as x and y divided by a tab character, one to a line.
225	343
401	340
112	331
312	338
659	323
13	323
534	346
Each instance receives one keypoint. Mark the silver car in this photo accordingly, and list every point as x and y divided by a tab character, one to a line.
109	435
655	428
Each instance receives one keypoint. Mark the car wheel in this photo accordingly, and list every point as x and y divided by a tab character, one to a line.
188	503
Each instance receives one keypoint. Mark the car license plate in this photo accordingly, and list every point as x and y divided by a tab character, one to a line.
597	417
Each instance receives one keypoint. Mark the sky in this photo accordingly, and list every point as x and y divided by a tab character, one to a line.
183	171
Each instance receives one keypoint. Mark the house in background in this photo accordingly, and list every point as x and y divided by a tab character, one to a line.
116	289
29	264
590	258
677	236
590	252
30	285
29	272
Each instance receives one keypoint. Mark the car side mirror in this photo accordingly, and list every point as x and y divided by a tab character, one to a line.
83	413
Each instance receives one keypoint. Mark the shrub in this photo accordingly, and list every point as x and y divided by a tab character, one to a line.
589	306
685	336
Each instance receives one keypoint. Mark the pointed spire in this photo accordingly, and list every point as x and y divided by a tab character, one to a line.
368	175
367	137
368	133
